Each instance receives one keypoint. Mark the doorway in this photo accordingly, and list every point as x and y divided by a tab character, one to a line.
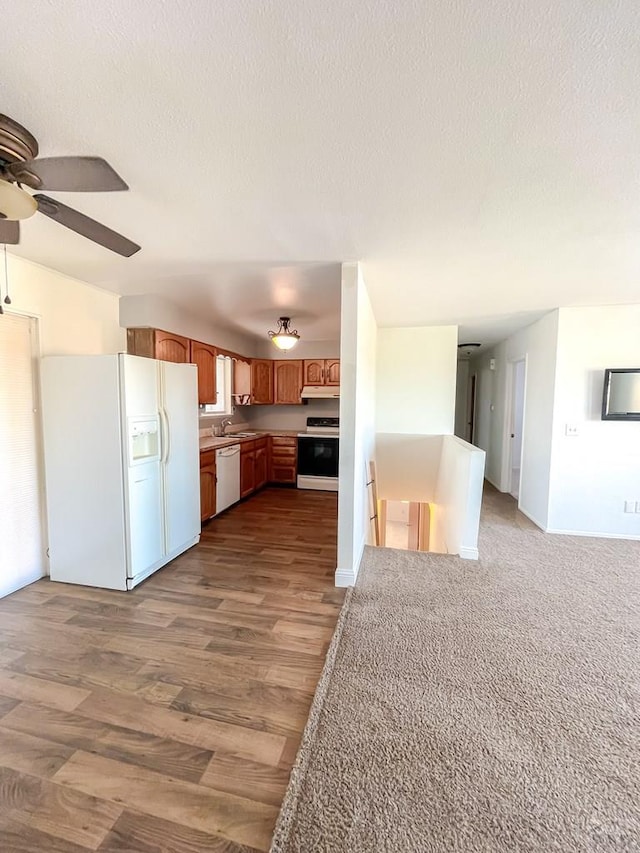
516	428
471	409
21	496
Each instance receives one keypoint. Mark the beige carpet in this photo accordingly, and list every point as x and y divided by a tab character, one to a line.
490	706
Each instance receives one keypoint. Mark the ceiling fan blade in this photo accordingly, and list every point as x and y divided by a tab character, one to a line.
68	174
86	226
9	232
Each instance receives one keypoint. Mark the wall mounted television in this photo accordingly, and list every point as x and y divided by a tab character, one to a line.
621	395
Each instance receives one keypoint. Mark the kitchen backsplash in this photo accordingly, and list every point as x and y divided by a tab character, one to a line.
287	417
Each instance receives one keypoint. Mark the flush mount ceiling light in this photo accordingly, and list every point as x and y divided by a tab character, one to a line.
285	338
467	350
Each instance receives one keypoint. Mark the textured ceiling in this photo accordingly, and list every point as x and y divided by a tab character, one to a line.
481	159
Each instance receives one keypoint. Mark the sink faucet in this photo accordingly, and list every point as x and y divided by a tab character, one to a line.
224	424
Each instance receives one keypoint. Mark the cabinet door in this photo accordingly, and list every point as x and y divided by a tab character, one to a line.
204	356
287	382
207	492
172	347
314	371
261	467
247	472
262	381
141	341
332	371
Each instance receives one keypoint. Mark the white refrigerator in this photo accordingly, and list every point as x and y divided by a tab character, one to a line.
122	469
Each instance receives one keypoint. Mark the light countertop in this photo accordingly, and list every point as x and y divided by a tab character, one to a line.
211	442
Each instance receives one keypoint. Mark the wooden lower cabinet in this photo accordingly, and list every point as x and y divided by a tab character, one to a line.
261	465
253	466
247	469
283	460
207	484
272	459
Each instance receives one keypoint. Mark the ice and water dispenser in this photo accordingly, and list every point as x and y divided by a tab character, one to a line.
144	440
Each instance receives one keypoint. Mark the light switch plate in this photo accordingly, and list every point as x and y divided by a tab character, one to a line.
630	506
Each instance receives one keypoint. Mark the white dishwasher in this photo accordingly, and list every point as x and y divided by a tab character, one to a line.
227	476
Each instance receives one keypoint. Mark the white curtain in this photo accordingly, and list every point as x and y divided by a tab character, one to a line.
21	538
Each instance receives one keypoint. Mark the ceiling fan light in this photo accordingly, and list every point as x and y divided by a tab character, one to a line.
285	338
15	203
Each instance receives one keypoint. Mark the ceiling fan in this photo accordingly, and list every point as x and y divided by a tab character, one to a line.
19	167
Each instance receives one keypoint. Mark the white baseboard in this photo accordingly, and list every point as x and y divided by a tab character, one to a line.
594	534
345	577
535	520
21	582
469	553
493	482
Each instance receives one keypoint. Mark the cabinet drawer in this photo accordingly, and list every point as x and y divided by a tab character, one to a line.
284	441
282	473
207	457
286	458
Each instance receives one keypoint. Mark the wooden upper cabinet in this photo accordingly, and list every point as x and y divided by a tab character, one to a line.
332	371
172	347
322	371
154	343
204	356
287	382
262	381
314	371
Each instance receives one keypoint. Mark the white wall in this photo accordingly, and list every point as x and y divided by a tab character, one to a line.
518	388
303	349
455	518
159	313
407	466
593	473
357	421
462	388
416	380
73	317
538	345
485	378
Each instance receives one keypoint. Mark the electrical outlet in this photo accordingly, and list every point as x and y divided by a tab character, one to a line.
571	429
630	506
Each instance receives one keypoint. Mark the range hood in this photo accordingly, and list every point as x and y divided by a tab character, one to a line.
319	392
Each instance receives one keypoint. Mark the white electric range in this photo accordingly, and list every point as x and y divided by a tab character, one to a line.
318	454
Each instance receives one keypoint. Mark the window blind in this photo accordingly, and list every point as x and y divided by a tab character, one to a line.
21	537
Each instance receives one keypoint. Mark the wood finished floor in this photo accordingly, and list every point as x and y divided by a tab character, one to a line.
168	718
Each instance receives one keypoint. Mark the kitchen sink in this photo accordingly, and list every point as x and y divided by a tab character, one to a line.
241	434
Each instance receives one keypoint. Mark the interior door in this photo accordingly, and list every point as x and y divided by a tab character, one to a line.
180	454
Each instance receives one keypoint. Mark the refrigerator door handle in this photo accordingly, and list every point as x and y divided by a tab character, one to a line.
166	438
